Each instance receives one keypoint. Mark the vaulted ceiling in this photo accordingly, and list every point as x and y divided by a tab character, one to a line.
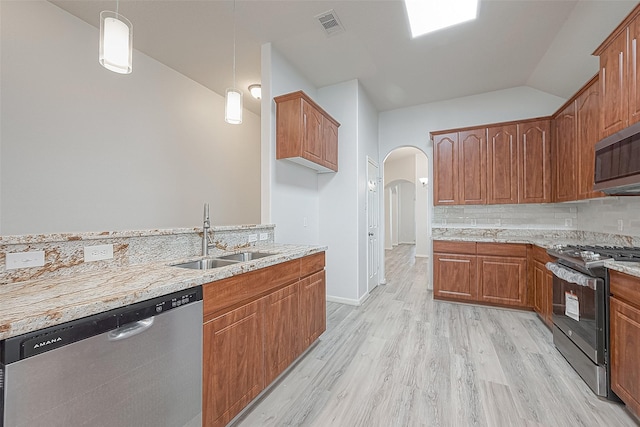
545	44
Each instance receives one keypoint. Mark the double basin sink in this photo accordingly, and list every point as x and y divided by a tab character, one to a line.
222	261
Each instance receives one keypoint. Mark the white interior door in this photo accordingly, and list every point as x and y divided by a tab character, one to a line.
373	216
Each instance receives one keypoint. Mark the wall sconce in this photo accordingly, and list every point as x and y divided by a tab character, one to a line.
424	181
256	91
116	42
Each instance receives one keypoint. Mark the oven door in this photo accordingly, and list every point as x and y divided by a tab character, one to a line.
579	310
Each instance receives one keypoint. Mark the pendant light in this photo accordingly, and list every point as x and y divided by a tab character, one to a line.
116	42
233	101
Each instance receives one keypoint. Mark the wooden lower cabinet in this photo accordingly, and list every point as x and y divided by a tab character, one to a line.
255	325
503	280
454	276
625	339
541	289
313	306
491	273
233	363
281	331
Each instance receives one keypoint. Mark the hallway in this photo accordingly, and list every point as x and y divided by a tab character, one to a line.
402	359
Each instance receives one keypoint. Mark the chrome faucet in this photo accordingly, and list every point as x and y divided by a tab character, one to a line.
205	231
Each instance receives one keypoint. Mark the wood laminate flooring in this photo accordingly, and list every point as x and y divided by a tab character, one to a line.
403	359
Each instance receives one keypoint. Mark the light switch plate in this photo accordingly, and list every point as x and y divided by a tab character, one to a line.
253	238
98	252
264	236
24	259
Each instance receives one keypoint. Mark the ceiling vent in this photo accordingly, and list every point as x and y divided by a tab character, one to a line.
330	23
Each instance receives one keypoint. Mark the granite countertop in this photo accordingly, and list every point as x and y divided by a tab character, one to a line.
543	238
40	303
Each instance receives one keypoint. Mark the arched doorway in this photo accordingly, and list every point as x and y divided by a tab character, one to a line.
406	201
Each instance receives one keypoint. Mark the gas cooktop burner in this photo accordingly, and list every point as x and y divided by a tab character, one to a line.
595	255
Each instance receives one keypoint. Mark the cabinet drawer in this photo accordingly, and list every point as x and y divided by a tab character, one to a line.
625	287
311	264
502	249
228	293
454	247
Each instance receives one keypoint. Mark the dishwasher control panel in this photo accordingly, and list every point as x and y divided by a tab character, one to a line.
34	343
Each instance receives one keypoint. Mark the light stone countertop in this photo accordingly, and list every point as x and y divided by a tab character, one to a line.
631	268
35	304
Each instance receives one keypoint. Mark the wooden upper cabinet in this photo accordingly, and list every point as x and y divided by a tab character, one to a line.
502	164
619	77
472	166
305	133
445	169
613	80
312	141
633	80
588	134
534	157
565	154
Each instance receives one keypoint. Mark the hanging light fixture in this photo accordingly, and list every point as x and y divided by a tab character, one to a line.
233	101
256	91
116	42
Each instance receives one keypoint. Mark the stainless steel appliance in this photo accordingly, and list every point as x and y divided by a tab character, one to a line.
581	309
139	365
617	167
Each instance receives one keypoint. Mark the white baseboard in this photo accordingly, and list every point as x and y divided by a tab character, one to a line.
422	256
347	301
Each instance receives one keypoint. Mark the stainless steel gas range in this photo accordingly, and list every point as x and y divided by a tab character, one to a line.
581	309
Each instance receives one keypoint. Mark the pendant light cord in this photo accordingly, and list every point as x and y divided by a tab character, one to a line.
234	44
118	8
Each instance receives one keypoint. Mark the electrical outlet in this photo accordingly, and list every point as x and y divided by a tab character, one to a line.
253	238
98	252
620	225
264	236
567	222
24	259
474	222
304	221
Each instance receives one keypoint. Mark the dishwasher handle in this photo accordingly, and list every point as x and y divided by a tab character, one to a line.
130	329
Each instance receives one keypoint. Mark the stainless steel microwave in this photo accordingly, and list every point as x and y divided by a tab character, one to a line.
617	168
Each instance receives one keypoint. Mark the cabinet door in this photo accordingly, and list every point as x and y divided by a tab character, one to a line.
313	308
625	353
502	280
587	121
539	294
454	276
534	156
633	85
502	165
233	362
312	125
614	110
281	317
565	155
472	166
445	174
330	135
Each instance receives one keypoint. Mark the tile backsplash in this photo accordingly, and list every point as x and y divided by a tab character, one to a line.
532	216
612	215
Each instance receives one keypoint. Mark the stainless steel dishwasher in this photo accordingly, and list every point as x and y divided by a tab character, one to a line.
139	365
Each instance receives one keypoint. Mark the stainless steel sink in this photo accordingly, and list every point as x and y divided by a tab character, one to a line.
245	256
206	264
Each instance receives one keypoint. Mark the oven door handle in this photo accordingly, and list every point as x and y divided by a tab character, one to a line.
572	276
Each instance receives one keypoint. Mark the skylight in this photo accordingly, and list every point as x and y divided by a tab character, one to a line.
426	16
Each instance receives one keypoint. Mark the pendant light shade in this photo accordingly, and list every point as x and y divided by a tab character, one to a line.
233	107
116	42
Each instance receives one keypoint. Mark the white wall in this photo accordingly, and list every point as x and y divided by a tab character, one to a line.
407	232
86	149
423	220
292	190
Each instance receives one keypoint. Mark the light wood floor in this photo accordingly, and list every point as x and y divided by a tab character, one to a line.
403	359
